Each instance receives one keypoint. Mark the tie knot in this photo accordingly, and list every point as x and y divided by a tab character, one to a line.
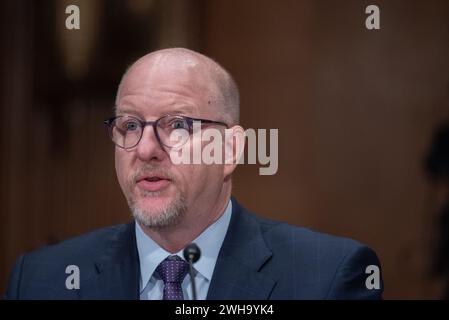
173	269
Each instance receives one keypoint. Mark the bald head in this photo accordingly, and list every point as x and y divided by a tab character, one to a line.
205	75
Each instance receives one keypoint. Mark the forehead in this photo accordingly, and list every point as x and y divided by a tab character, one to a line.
162	84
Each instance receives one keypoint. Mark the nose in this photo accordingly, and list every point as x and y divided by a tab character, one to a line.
149	148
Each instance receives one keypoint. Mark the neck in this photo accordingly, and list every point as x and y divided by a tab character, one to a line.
175	238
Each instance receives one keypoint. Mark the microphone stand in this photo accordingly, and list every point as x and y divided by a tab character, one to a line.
192	254
192	277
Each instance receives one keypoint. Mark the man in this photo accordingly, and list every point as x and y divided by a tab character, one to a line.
243	257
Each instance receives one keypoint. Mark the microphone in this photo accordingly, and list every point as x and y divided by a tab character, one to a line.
192	254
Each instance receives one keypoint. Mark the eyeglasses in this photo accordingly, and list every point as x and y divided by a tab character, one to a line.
126	131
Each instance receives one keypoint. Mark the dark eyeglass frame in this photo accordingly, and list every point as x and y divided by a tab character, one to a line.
109	123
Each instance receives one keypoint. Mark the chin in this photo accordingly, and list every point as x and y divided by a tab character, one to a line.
158	211
154	201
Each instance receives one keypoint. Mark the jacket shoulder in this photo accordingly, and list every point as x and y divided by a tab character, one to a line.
313	265
42	273
277	233
84	245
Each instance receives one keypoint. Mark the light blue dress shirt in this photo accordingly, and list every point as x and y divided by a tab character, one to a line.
151	254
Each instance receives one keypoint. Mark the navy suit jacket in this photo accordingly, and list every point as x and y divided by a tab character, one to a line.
259	259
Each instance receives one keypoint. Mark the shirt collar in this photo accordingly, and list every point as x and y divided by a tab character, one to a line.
209	242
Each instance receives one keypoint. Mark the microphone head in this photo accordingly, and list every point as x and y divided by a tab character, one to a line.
192	253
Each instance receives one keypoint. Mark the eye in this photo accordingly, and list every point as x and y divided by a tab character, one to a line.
130	125
179	124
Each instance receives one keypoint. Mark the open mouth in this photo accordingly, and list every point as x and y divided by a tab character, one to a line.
153	183
152	179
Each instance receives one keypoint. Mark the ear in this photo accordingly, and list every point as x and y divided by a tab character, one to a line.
234	148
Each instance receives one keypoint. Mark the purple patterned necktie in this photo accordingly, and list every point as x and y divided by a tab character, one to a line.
173	271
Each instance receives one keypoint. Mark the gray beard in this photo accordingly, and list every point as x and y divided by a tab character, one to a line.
166	217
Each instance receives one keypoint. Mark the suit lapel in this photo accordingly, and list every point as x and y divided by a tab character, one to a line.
117	269
237	273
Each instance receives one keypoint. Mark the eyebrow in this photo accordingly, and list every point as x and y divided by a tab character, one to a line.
182	110
129	110
123	110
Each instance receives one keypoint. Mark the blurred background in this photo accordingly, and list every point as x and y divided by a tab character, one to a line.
362	118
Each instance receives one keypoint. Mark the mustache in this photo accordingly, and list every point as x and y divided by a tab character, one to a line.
150	170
